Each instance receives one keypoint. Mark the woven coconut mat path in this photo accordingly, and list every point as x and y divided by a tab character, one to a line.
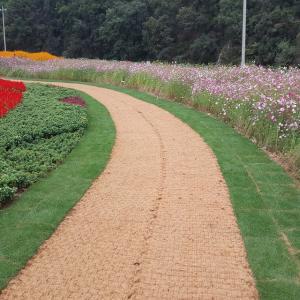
157	224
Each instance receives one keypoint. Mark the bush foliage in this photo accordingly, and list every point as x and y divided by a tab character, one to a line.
36	136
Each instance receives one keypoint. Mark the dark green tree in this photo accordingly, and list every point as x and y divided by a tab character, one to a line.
196	31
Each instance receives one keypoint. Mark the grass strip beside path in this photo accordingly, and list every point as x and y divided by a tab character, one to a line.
33	218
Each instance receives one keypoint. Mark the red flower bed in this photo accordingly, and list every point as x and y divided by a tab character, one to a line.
11	94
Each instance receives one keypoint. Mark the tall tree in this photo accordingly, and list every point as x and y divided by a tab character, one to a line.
120	35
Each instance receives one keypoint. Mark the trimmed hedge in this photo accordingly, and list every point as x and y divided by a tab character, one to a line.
36	136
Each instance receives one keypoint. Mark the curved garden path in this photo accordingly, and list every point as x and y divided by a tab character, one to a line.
157	224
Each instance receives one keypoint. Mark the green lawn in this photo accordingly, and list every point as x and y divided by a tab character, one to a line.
35	215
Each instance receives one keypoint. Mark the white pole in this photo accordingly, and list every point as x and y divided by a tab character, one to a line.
243	62
3	24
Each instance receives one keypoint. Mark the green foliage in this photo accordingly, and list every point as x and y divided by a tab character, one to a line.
294	160
36	136
286	53
170	30
297	50
121	33
177	90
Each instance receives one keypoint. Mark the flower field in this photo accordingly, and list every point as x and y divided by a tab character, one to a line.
11	94
261	103
36	136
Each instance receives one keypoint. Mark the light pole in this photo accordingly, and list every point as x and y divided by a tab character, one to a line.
243	63
3	24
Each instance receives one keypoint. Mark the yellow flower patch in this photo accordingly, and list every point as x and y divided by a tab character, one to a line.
39	56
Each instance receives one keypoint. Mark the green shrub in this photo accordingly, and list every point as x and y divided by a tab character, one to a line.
36	136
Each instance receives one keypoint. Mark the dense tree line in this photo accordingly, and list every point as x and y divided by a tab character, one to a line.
196	31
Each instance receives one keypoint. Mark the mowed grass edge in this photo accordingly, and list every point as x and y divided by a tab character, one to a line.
30	220
265	199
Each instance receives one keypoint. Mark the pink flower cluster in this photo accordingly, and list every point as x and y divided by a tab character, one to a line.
272	94
75	100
